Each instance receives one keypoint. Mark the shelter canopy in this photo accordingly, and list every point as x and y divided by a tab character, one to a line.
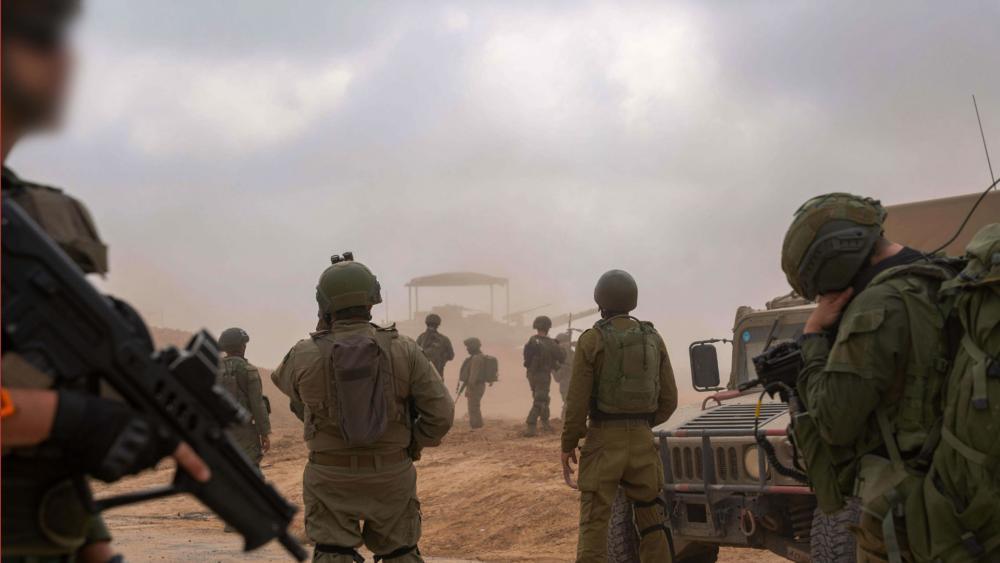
456	279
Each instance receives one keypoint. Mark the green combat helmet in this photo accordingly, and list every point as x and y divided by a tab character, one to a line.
542	323
616	292
347	284
473	344
433	320
233	339
830	241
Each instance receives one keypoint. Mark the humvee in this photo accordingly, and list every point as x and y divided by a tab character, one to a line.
720	489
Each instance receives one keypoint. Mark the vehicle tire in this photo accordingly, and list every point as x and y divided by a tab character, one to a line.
623	538
830	540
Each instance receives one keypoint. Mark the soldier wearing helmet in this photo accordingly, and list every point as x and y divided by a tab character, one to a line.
478	370
542	357
370	400
242	380
59	432
436	346
875	358
622	386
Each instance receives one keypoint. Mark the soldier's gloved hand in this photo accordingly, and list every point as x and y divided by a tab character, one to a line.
110	439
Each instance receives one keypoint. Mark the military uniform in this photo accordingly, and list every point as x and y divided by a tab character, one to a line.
368	495
473	375
565	371
873	396
44	518
242	380
437	347
618	450
542	356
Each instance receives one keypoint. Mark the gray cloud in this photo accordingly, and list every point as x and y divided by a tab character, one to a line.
228	148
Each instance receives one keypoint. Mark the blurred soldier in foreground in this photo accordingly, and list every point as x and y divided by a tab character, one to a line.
436	346
623	383
542	356
478	371
55	434
565	371
242	380
875	359
370	401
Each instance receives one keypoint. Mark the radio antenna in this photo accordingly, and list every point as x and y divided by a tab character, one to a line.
983	135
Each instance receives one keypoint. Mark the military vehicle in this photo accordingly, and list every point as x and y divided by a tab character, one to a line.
720	489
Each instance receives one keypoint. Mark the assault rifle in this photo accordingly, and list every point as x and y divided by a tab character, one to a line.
54	316
460	388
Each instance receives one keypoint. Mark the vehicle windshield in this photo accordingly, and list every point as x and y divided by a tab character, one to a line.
751	340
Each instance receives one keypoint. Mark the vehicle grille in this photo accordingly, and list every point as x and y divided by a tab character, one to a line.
687	462
734	417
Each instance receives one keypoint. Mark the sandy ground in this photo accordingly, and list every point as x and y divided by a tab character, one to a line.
487	495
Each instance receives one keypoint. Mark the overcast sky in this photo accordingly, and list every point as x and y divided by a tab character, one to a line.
227	148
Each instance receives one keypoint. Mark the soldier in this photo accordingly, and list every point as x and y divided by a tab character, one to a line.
56	433
242	380
623	384
437	347
542	356
875	358
370	401
565	371
475	375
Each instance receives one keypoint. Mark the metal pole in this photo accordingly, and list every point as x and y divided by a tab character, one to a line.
409	302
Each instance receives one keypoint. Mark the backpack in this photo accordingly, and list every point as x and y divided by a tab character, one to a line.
491	369
363	385
962	490
434	347
542	353
629	382
233	379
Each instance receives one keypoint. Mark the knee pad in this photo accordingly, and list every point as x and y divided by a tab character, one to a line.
650	517
397	553
340	550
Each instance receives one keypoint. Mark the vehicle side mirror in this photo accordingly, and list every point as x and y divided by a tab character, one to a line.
704	366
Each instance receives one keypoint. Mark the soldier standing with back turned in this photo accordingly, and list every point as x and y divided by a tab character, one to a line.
875	360
437	347
624	385
242	380
565	371
542	356
370	401
473	378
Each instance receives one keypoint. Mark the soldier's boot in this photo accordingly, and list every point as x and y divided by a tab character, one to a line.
546	427
530	431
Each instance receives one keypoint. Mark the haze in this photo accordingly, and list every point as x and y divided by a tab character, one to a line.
228	148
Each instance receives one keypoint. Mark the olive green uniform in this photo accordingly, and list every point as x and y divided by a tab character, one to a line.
44	518
888	362
473	375
565	373
365	495
616	452
242	380
542	356
437	347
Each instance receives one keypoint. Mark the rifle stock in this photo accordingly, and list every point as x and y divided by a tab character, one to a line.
53	315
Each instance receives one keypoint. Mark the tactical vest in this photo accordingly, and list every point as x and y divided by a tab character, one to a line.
629	381
962	491
360	396
235	379
542	354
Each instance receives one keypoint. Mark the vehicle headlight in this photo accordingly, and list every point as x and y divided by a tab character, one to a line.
751	463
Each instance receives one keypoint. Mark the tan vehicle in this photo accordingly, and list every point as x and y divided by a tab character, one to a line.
720	488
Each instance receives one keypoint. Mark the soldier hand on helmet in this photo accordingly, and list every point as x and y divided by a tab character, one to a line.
829	307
